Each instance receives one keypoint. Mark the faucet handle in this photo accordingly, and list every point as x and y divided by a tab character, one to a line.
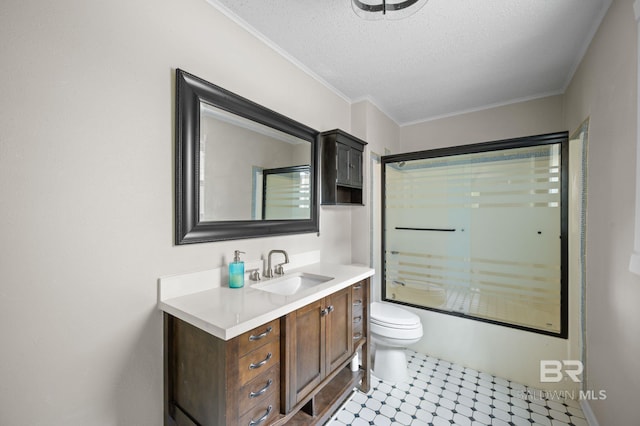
254	274
279	269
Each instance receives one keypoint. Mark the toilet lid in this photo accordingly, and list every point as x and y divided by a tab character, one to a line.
392	316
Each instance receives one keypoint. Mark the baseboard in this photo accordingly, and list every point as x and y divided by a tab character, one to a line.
588	413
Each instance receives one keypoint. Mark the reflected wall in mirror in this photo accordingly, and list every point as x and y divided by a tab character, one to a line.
242	170
234	176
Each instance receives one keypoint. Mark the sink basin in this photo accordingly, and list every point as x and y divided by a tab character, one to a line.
289	285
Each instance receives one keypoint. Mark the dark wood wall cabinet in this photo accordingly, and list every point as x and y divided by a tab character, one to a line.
341	156
295	370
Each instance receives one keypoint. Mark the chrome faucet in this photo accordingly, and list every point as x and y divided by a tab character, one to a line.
269	273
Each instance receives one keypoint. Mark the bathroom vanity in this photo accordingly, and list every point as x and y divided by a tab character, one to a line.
253	357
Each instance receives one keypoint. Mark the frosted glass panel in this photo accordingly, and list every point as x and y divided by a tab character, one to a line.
287	193
478	234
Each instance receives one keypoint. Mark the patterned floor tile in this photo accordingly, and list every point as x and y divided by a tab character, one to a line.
440	393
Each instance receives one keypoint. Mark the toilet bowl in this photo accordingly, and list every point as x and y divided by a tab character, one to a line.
392	330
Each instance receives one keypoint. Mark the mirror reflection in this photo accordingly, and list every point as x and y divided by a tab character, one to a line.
249	171
242	170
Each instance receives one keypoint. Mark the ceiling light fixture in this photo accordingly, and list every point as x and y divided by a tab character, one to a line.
386	9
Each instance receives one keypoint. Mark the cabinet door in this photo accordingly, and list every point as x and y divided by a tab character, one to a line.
355	167
339	323
309	357
343	160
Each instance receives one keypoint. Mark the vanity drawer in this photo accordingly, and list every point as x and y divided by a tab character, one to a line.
258	361
358	321
357	294
263	413
258	336
357	291
259	389
357	311
357	297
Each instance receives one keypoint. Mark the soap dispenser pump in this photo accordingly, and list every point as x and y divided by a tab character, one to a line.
236	271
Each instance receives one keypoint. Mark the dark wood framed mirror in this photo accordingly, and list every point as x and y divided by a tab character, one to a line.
223	143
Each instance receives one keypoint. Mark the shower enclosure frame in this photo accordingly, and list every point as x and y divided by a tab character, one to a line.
560	138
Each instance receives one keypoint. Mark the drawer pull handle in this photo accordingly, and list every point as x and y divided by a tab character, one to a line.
357	319
357	336
357	302
261	391
261	419
253	366
357	286
262	335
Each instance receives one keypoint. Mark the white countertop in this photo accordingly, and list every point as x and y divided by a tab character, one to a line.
228	312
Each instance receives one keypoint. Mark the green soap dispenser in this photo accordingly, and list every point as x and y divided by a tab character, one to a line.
236	271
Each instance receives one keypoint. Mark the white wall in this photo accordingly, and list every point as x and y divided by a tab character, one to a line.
381	133
86	183
604	88
534	117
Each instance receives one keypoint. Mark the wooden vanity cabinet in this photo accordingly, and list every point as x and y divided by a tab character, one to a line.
294	370
212	382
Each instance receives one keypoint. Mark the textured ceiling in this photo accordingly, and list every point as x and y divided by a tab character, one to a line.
450	57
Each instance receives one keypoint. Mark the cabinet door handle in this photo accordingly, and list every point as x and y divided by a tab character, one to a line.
357	286
326	311
261	419
357	336
261	391
262	335
357	303
253	366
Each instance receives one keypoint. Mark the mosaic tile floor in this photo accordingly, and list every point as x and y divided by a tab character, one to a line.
439	393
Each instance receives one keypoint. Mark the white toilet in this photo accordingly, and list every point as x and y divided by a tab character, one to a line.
392	330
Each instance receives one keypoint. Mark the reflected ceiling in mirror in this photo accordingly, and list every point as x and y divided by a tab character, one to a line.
242	170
